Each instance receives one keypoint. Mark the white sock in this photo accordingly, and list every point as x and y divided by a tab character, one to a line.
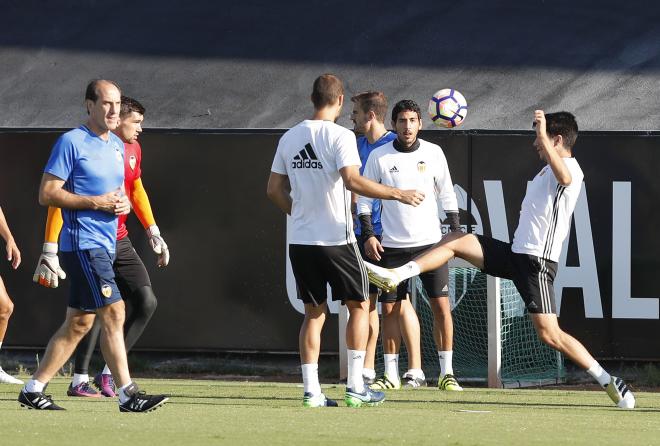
368	373
79	378
599	374
122	395
410	269
416	373
310	373
106	370
392	366
355	367
34	386
446	367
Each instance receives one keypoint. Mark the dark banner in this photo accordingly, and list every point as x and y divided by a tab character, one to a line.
226	287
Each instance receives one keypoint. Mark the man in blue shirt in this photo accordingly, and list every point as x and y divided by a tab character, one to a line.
84	176
368	116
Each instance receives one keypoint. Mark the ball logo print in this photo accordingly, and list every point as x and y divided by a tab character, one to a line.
448	108
106	290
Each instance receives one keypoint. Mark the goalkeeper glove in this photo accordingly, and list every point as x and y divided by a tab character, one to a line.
48	268
158	245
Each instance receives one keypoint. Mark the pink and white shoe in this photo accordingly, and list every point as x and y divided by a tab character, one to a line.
105	383
83	389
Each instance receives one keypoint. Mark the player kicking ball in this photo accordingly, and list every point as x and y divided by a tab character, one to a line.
531	260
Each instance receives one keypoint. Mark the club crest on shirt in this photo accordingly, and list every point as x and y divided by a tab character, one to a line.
421	167
132	161
106	290
118	155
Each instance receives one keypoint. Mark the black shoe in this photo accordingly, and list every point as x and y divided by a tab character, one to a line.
140	401
37	400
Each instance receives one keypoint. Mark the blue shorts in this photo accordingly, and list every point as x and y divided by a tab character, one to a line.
92	278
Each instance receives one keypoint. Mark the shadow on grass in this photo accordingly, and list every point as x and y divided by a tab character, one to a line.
236	398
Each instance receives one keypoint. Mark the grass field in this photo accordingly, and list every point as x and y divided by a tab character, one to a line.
239	413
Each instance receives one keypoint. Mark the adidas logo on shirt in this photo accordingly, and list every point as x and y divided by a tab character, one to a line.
306	159
394	169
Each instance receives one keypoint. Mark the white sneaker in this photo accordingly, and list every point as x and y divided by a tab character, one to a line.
619	393
383	278
319	400
6	378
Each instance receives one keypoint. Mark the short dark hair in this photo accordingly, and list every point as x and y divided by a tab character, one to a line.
91	92
326	90
129	105
562	123
374	101
405	105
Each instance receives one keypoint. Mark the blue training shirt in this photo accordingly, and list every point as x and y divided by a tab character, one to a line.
364	148
89	166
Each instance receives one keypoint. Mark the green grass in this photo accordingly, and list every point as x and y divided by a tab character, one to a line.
264	414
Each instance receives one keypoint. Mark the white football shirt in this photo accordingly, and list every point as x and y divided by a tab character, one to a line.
311	154
424	169
545	214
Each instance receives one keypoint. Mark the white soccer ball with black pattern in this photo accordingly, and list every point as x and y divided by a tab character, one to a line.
448	108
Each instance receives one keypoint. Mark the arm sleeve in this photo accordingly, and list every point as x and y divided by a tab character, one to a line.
141	205
279	166
54	225
365	204
454	221
367	227
62	158
347	151
444	186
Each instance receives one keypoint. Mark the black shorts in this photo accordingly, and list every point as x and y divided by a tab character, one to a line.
373	289
341	266
533	276
436	282
130	273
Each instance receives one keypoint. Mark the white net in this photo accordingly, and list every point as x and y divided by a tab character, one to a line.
525	360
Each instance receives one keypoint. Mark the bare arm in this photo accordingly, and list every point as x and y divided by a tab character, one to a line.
364	186
278	190
559	169
13	254
52	193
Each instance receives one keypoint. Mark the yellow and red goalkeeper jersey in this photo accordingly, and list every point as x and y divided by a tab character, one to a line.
134	189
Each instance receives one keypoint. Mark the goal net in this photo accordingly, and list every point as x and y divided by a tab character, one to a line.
495	343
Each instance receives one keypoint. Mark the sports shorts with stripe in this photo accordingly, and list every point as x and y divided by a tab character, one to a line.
533	276
340	266
436	282
91	277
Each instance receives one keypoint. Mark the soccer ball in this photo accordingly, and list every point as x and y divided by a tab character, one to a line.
448	108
